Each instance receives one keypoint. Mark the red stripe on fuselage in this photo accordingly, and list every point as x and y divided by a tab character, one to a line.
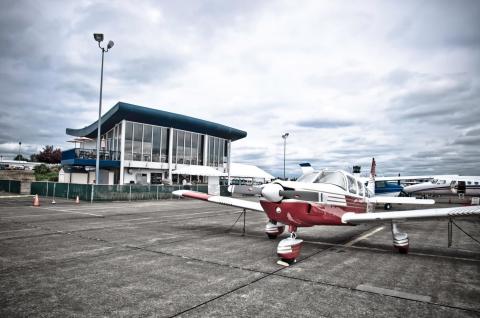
303	214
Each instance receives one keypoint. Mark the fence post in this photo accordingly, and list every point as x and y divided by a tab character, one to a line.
130	194
91	193
68	189
54	186
157	192
46	194
9	182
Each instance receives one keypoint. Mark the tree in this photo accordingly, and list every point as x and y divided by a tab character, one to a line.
20	158
49	155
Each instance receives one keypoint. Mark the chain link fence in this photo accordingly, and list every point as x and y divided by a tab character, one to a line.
12	186
127	192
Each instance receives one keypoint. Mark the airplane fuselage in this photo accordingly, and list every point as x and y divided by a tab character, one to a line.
468	185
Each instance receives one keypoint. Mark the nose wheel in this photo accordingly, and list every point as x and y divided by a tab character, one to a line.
274	229
400	239
289	249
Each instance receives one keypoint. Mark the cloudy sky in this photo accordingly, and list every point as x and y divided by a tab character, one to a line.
349	80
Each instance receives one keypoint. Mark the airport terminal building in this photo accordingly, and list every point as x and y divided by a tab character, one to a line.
148	146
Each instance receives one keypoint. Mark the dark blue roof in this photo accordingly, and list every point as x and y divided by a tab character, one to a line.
157	117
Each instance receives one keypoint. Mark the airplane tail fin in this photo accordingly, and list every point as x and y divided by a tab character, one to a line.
306	168
371	182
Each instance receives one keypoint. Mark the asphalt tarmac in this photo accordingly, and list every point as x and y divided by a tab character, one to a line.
188	258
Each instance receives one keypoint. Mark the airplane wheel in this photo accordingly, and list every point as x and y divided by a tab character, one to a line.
388	206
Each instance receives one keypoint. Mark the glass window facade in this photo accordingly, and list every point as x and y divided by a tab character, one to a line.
187	148
151	143
146	142
110	144
217	151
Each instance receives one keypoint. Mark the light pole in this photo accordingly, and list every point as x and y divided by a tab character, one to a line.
284	136
99	38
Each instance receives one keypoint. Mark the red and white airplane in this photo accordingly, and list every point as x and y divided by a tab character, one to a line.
331	197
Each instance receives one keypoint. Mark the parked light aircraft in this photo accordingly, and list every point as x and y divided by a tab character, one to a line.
447	185
327	197
384	186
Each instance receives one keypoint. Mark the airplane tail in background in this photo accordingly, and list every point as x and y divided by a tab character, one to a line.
306	168
371	182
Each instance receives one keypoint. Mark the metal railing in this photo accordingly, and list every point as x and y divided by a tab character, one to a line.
82	153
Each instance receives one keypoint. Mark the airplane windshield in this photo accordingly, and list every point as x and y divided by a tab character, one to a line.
332	177
308	178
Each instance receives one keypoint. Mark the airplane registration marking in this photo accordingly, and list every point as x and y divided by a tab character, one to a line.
364	236
393	293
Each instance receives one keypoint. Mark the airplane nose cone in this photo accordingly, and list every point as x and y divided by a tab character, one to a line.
271	192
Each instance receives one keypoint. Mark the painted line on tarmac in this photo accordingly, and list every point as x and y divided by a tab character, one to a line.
364	236
28	229
180	216
31	215
67	211
16	196
135	219
393	293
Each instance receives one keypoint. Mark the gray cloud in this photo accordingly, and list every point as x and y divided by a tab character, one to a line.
323	123
403	86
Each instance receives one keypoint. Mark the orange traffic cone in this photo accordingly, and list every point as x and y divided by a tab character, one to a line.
36	201
77	200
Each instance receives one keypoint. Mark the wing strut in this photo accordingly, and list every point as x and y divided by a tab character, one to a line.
244	214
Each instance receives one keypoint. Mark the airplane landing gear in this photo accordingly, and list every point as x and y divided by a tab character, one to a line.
400	239
289	249
274	229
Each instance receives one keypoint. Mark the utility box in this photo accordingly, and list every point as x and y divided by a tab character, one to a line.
214	185
475	201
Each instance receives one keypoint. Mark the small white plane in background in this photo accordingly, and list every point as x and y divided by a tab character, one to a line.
327	197
447	185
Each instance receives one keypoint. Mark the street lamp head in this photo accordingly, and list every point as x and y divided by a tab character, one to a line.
285	135
110	45
98	37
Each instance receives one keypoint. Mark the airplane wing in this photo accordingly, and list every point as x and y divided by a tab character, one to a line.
244	204
403	178
427	214
399	200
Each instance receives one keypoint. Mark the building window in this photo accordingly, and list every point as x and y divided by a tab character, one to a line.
147	143
180	146
201	142
194	159
164	145
137	141
156	143
174	146
188	148
128	140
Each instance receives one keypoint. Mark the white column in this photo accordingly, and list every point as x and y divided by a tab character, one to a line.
170	147
122	150
205	150
229	149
